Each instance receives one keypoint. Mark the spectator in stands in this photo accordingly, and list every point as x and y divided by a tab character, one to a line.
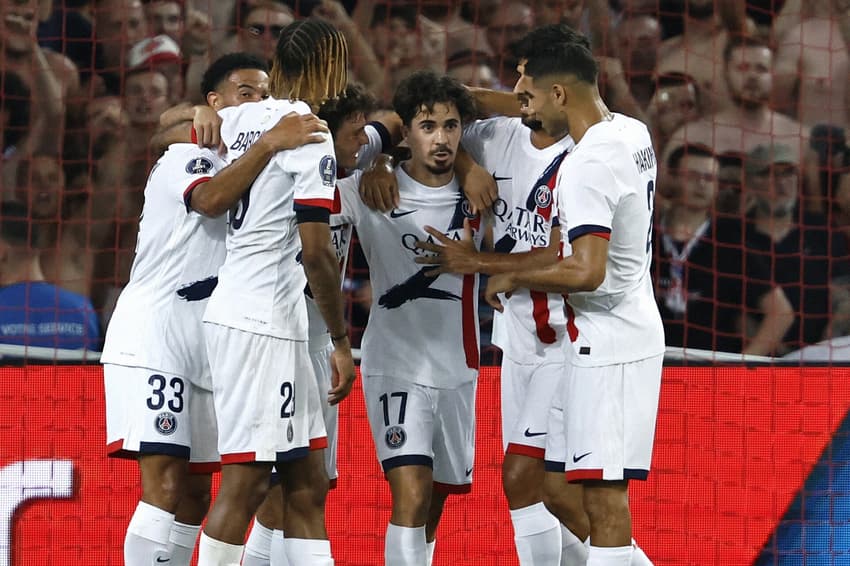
397	38
119	24
49	75
638	37
675	102
473	68
255	27
568	12
698	51
32	311
447	32
187	26
14	112
813	62
730	176
705	280
160	53
805	256
508	23
749	121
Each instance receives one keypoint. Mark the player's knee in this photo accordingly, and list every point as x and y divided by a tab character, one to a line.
517	487
413	502
196	498
606	502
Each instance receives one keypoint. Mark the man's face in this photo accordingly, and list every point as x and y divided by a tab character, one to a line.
242	85
673	106
348	139
434	136
146	97
119	24
18	24
697	178
536	105
261	31
41	183
510	23
775	189
558	12
165	17
748	75
638	39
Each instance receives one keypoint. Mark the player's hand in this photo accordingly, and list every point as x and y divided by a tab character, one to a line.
342	372
480	188
207	125
295	130
450	256
502	283
379	186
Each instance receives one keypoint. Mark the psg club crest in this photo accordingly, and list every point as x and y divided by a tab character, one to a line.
327	170
165	423
466	208
199	166
395	437
290	434
542	196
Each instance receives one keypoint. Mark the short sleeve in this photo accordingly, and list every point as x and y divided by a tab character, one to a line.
188	168
313	167
587	200
379	142
475	137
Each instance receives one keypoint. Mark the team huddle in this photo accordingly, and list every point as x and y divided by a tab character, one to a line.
228	349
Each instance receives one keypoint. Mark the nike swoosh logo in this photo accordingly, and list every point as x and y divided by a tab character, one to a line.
577	458
161	560
468	472
497	178
399	214
529	434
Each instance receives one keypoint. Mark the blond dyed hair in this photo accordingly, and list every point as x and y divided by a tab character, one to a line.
310	63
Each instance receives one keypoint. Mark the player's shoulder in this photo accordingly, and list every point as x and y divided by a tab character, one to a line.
491	128
193	159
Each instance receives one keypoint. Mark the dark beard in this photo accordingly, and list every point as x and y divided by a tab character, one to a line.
532	124
435	170
746	103
702	12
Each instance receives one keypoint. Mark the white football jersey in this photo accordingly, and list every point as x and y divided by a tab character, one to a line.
157	320
261	284
379	141
533	322
606	187
422	329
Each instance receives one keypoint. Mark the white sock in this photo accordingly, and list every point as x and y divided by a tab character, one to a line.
639	557
405	546
537	534
258	547
181	543
573	550
315	552
212	552
147	535
278	553
609	556
429	551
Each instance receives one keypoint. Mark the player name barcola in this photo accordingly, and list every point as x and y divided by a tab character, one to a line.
523	225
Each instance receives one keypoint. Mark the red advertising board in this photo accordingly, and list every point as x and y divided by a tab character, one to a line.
733	446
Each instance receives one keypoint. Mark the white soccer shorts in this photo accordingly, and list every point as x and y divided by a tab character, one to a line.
261	393
154	412
414	424
609	419
527	394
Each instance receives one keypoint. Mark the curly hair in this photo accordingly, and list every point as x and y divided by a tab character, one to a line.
355	100
424	89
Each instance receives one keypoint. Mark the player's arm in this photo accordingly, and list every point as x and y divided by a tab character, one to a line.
584	270
450	256
478	184
320	265
223	191
491	102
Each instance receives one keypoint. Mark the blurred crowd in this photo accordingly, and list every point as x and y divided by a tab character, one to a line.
748	103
